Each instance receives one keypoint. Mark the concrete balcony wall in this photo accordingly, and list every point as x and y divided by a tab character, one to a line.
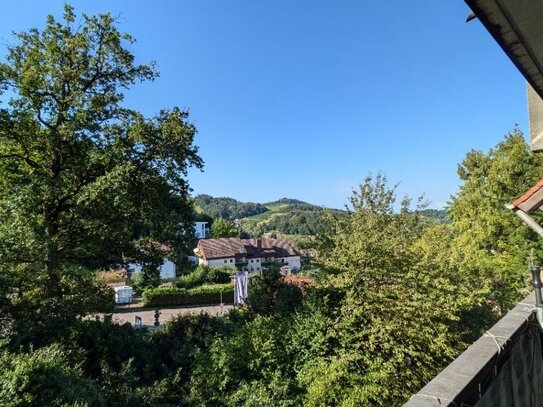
502	368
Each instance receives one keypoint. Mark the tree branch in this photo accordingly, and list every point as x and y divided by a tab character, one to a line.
27	160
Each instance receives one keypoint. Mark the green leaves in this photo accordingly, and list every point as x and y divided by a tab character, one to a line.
491	238
45	377
223	228
85	181
395	320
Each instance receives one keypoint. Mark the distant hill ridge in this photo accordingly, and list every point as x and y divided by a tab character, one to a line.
227	208
288	201
285	216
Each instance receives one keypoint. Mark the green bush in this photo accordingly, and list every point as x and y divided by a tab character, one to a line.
219	275
211	294
203	274
154	297
45	377
197	277
206	294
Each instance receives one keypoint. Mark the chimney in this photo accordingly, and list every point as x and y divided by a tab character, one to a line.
259	243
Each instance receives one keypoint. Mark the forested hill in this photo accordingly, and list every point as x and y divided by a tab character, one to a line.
284	216
227	208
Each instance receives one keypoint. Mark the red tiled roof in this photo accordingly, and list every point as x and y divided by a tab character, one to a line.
529	193
220	248
232	246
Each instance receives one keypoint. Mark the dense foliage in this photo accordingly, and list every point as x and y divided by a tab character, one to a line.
296	222
223	228
84	182
202	295
497	244
227	208
205	275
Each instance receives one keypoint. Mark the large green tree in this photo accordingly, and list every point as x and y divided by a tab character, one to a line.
84	181
395	299
491	239
223	228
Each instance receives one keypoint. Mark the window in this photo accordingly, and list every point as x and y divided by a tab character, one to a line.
257	260
231	260
225	261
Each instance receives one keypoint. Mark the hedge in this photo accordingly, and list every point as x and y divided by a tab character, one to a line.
211	294
205	275
206	294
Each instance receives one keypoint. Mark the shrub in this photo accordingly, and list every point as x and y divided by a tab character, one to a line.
203	274
197	277
45	377
211	294
137	282
206	294
155	297
219	275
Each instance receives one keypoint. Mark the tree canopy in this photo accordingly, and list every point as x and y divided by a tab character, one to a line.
223	228
85	181
488	235
227	208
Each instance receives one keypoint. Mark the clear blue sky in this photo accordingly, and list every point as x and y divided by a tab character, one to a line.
303	99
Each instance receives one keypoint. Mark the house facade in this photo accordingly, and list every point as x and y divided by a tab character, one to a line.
201	230
248	254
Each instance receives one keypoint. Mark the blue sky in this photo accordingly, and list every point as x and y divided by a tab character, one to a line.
303	99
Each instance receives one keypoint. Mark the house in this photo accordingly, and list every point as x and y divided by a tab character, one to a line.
247	254
201	230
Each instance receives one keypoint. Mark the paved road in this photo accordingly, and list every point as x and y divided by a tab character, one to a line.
148	316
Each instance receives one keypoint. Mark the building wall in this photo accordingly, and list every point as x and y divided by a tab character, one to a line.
256	265
293	262
229	262
166	270
201	229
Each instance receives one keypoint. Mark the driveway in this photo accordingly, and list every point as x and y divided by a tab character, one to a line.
148	315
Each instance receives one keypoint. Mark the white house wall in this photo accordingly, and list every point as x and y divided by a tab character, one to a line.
230	262
200	229
293	262
166	270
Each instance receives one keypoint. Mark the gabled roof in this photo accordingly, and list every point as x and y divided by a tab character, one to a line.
220	248
233	246
532	199
270	247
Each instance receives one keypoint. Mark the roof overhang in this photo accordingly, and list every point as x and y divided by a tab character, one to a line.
516	25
